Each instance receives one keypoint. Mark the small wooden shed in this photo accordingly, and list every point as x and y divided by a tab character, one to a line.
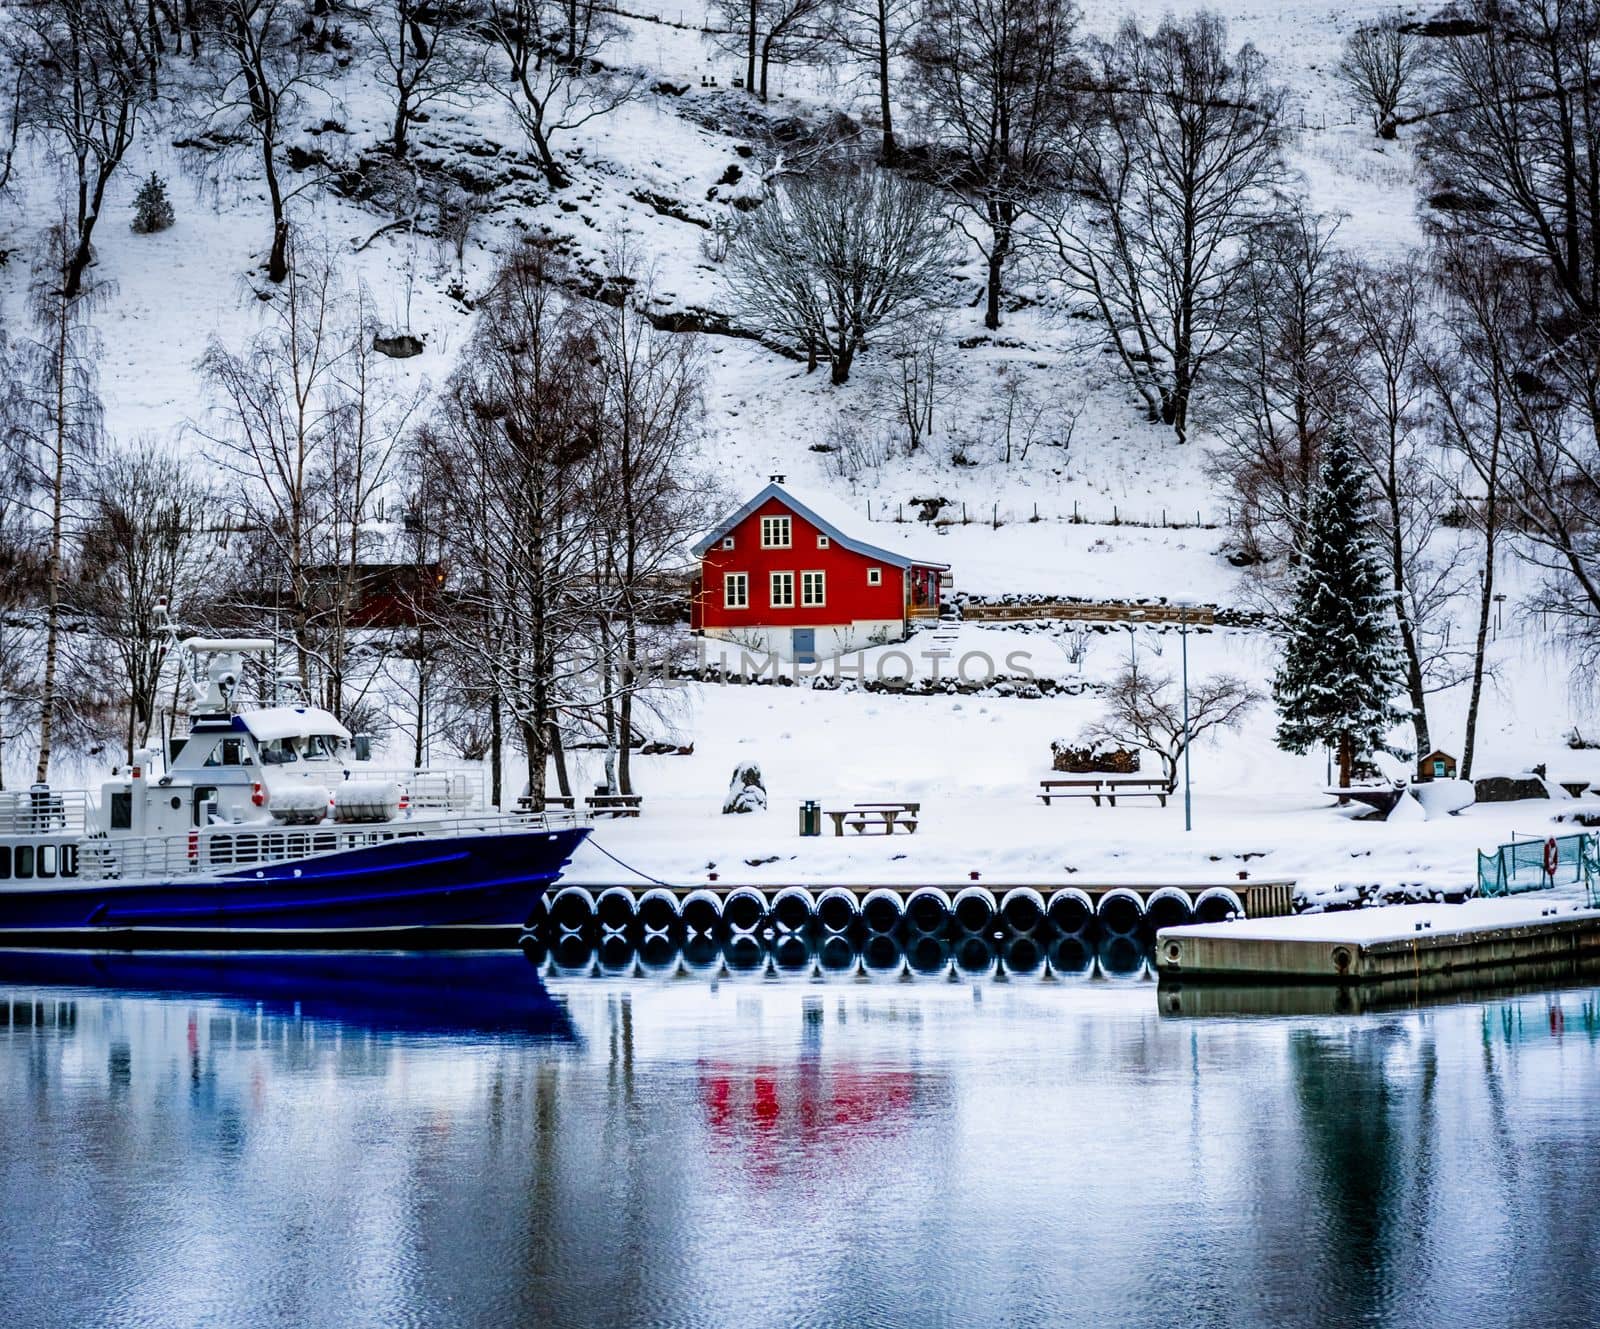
1437	765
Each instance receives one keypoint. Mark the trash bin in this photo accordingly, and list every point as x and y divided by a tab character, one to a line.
811	817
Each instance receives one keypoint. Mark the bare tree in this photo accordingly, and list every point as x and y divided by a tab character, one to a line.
419	668
1278	385
991	79
302	417
85	80
877	33
648	495
1144	711
1021	416
833	261
1514	149
1388	397
553	80
422	52
1181	163
55	430
369	421
1380	66
144	545
22	576
263	71
786	31
1470	367
506	457
920	377
273	415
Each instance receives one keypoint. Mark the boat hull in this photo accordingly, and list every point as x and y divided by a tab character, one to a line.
446	891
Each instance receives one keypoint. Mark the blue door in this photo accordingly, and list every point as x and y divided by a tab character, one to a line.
805	645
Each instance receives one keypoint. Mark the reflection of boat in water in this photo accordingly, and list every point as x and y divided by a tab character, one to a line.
425	993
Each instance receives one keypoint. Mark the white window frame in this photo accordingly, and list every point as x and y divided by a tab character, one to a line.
772	528
729	580
824	543
727	542
774	580
874	576
822	589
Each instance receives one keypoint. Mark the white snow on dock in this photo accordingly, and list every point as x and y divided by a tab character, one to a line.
1365	927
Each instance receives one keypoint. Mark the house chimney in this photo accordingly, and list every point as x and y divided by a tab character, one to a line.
776	479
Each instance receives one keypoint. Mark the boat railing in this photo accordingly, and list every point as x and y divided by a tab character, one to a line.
44	811
225	848
434	789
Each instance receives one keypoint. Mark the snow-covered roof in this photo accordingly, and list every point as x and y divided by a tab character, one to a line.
272	722
809	511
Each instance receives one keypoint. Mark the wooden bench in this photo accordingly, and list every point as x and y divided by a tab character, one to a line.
552	802
1110	789
861	817
615	805
1122	788
1080	788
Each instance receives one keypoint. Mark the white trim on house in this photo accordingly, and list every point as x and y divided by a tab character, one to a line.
786	580
742	581
777	532
807	600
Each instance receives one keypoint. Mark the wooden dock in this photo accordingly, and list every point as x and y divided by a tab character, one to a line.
1406	943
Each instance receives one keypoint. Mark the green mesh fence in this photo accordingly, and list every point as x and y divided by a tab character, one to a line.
1522	866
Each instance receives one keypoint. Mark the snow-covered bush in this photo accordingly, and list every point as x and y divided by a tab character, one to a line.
746	792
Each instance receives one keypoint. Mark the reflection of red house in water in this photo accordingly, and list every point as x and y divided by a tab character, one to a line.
749	1110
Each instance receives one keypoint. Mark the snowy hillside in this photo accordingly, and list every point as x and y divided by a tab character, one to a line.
1091	499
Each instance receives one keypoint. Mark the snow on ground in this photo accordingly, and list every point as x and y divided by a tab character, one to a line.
973	761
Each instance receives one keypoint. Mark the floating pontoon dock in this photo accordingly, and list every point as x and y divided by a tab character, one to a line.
1400	943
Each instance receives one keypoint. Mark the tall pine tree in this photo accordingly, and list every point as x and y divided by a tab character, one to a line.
1342	667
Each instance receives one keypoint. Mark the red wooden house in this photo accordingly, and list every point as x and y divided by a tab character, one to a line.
779	577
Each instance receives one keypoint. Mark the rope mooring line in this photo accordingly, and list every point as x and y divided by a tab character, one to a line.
654	881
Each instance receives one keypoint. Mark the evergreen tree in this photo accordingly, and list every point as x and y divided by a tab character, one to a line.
1342	667
152	209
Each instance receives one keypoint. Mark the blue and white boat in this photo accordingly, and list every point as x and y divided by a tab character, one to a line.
266	829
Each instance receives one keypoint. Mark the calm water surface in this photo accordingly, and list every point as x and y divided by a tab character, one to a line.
454	1141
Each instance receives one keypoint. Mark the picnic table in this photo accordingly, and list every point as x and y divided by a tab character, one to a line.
564	802
860	817
1109	788
615	805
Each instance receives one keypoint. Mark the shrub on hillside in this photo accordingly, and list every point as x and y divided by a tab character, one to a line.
152	209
